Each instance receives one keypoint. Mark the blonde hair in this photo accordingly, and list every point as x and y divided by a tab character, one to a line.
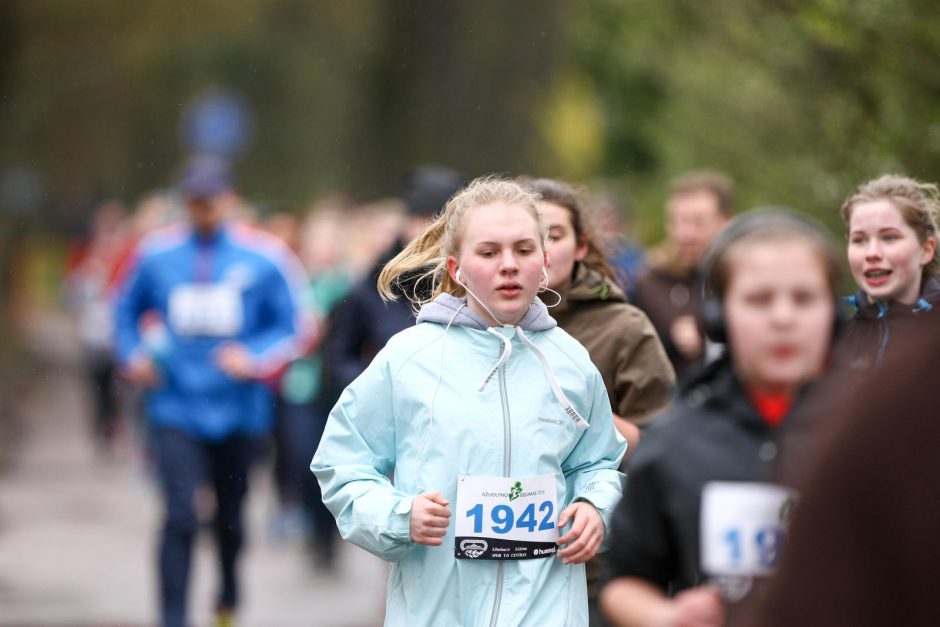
917	202
419	272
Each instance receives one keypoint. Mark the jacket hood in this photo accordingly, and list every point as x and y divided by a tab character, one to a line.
929	296
448	309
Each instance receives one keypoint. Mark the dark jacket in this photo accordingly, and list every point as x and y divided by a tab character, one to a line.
711	433
360	326
665	291
621	341
872	330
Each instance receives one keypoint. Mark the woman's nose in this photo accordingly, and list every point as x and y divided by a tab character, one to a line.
508	262
783	310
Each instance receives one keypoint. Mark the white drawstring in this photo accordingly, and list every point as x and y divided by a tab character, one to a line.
579	421
503	358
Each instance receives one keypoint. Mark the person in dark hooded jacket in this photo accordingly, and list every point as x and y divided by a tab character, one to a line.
699	519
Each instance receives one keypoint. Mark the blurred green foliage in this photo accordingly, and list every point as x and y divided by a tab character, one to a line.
797	101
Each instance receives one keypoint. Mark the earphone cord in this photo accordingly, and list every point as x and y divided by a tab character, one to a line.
477	298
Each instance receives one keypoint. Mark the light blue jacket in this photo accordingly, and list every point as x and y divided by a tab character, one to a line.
515	424
194	394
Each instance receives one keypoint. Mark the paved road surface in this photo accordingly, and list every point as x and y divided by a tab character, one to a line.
78	533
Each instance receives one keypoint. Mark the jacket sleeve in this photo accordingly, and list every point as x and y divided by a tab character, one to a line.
284	328
352	463
645	378
638	538
133	299
591	468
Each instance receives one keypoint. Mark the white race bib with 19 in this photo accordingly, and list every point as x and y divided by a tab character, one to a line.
743	527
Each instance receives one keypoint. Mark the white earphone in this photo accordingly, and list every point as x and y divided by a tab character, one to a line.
457	275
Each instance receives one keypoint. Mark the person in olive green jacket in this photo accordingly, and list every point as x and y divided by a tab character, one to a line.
619	338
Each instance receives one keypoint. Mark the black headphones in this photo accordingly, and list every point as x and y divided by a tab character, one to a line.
712	312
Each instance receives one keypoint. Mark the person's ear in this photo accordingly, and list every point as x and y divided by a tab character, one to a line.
453	269
929	248
581	251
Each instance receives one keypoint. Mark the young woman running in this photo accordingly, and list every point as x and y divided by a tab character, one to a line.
493	423
697	523
892	230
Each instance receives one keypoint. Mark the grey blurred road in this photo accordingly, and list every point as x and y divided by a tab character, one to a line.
78	533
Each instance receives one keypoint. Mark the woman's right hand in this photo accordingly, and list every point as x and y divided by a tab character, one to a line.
429	518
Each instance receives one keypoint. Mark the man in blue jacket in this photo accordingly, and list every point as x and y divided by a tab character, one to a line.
208	312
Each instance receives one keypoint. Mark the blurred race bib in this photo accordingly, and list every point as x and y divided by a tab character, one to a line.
206	309
743	527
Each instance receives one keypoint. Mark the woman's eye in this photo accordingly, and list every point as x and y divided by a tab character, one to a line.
554	238
487	253
805	298
759	299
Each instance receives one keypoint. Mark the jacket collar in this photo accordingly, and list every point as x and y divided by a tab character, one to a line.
448	309
587	286
716	387
866	308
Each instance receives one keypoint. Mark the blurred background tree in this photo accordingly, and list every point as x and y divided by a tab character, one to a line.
797	101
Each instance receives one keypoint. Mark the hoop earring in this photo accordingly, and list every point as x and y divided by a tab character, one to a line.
548	289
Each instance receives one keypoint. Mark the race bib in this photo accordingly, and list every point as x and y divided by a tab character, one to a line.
198	309
500	518
743	527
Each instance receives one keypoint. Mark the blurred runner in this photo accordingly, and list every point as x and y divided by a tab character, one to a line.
227	297
699	519
89	287
699	206
624	255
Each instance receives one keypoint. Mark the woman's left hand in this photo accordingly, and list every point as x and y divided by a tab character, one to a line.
586	533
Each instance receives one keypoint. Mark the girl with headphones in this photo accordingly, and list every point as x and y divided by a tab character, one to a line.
620	339
892	230
698	520
492	422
